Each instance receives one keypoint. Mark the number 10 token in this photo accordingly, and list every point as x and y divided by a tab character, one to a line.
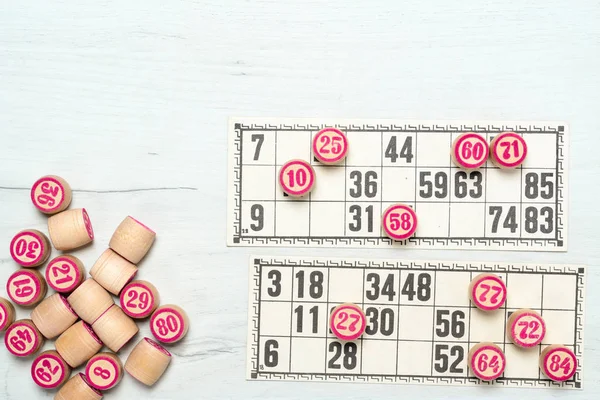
297	178
399	222
348	322
330	146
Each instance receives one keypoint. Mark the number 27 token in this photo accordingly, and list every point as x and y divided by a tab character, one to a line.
348	322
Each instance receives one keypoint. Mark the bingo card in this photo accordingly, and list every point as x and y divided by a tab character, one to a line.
420	323
392	162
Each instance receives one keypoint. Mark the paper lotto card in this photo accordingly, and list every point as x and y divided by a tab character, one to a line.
394	162
420	321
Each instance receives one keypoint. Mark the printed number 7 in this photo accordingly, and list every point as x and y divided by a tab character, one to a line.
260	138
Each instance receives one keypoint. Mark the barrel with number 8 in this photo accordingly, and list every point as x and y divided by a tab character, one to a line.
148	361
51	194
23	339
30	248
49	370
65	273
169	323
7	314
53	316
78	388
26	287
139	299
104	371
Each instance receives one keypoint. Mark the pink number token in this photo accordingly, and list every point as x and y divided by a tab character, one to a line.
487	361
49	370
104	371
348	322
88	224
139	299
330	146
51	194
558	362
64	273
23	339
399	222
26	287
30	248
297	178
487	292
508	150
526	328
470	151
169	324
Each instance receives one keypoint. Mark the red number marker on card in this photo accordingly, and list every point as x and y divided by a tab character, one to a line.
296	178
487	291
49	370
26	287
29	248
104	371
330	146
64	273
558	362
51	194
487	361
169	324
347	322
470	151
526	328
138	299
22	338
399	222
508	150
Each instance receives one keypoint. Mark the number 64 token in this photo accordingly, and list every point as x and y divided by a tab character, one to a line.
399	222
487	361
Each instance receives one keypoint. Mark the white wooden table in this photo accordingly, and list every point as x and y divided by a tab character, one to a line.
129	101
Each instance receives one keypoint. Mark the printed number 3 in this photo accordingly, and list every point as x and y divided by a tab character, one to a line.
275	277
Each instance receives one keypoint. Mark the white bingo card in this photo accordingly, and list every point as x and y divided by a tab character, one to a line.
397	162
420	322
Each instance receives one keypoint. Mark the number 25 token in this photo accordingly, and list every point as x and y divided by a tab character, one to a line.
508	150
487	361
470	151
169	324
399	222
330	146
487	292
558	362
297	178
526	328
348	322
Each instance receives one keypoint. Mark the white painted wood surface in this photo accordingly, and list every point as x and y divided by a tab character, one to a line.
129	101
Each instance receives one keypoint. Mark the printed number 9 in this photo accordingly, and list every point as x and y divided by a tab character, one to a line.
257	213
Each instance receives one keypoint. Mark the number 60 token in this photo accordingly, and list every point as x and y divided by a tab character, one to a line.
348	322
470	151
399	222
297	178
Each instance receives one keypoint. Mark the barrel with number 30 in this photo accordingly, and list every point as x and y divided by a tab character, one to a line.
30	248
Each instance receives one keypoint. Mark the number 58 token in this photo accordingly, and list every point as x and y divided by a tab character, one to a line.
399	222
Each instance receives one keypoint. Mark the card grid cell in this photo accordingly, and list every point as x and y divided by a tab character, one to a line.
253	222
403	270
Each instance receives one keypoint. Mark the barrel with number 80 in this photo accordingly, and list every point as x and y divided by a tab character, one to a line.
169	323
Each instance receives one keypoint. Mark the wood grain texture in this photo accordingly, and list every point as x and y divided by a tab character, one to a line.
128	100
